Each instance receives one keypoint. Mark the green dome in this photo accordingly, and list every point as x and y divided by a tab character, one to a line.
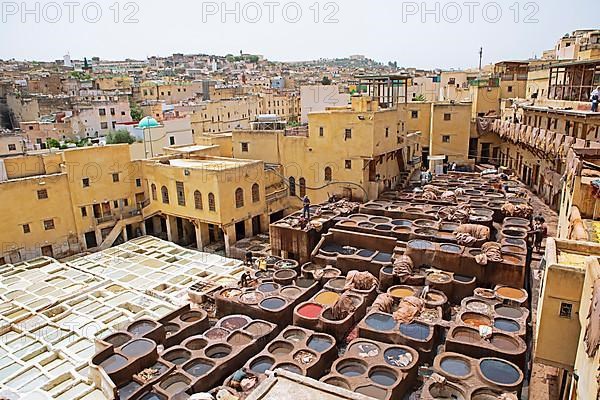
148	122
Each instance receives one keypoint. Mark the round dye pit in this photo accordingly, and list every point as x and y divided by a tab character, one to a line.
198	367
216	333
476	320
268	287
196	344
294	335
504	342
273	303
365	253
338	382
337	283
384	227
365	349
218	351
263	274
510	312
127	390
441	391
485	293
438	277
258	328
177	356
415	330
118	339
171	328
402	222
304	282
388	270
312	311
435	298
233	323
379	220
380	322
280	348
175	384
352	367
251	298
398	357
191	316
372	391
229	293
113	363
290	292
261	365
401	292
456	366
511	293
383	257
319	343
451	248
327	298
420	244
284	274
140	328
290	367
366	225
506	325
383	376
425	232
499	371
137	348
239	339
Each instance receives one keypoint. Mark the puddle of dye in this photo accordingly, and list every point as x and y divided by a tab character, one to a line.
113	363
499	371
476	320
141	327
415	330
456	366
381	322
310	310
137	348
510	293
272	303
503	342
506	325
126	391
319	343
372	391
383	377
402	292
327	298
510	312
261	365
239	339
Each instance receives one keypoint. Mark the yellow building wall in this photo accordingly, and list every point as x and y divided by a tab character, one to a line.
486	100
458	128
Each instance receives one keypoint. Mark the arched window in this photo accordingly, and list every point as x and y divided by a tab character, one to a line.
198	200
302	184
165	194
292	186
239	198
212	205
153	190
328	174
255	193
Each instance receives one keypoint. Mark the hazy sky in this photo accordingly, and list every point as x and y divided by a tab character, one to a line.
426	34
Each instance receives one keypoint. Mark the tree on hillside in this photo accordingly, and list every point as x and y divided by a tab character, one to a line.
120	136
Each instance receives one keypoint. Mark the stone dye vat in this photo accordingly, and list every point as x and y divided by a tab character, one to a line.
317	313
399	229
455	286
511	295
375	369
269	300
472	379
297	350
131	364
505	318
349	251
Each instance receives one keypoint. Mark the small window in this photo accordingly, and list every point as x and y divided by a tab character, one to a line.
348	134
115	204
302	184
115	177
447	117
84	211
239	198
198	200
85	182
328	174
348	164
321	131
48	224
566	310
125	202
180	193
164	194
103	125
414	114
255	193
153	190
212	204
292	182
387	132
510	89
102	111
26	228
42	194
171	140
112	111
123	113
138	182
245	147
446	138
12	147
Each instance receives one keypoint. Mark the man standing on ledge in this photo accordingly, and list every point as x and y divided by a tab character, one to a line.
306	207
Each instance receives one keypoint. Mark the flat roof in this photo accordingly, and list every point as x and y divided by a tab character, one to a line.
580	113
210	164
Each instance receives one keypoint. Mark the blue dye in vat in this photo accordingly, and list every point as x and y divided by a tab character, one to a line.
198	367
499	371
273	303
381	322
383	257
383	377
261	365
319	343
455	366
415	330
126	391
